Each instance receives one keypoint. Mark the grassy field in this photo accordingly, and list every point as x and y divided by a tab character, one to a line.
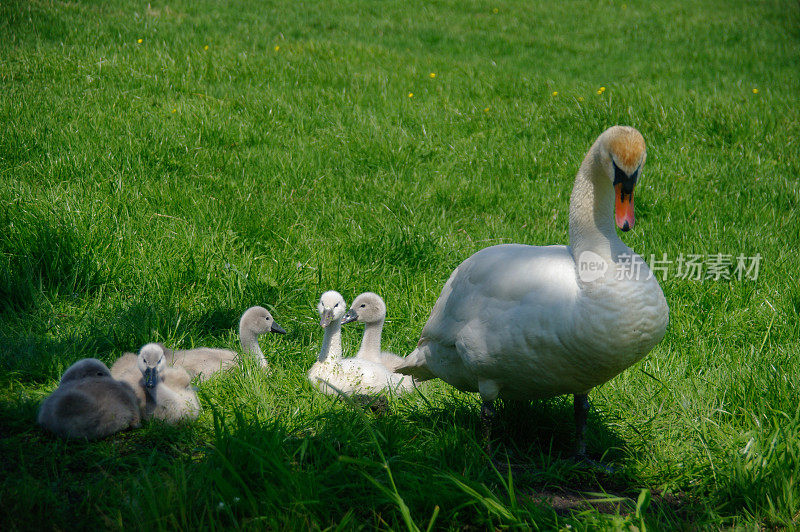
163	166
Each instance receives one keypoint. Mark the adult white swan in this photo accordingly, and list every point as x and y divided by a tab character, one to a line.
526	322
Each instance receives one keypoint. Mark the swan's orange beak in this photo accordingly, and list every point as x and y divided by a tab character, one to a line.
623	211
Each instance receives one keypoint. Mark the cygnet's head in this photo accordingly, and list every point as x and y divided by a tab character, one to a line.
622	154
331	307
258	320
366	308
88	367
151	362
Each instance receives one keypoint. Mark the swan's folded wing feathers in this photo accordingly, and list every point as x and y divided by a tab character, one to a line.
490	285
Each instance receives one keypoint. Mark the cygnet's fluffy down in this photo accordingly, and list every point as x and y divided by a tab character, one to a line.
89	403
169	395
125	369
335	375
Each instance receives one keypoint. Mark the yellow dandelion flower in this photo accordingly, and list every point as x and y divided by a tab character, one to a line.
495	11
277	47
410	94
205	47
755	91
555	93
138	41
580	98
174	110
602	89
432	75
486	110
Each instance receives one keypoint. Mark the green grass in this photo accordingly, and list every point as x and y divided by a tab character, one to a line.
152	191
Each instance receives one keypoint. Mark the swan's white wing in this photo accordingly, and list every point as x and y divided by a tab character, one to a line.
500	308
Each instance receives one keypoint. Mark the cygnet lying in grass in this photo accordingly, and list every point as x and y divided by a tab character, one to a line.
335	375
89	404
170	396
206	361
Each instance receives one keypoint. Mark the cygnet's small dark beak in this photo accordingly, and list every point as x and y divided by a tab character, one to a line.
326	317
351	315
277	328
150	377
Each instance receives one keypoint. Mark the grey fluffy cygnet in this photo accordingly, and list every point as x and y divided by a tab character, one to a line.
369	309
89	403
169	394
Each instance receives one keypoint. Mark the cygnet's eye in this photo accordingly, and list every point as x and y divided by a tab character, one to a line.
363	305
336	305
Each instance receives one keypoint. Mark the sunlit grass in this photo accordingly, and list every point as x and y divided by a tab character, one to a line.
164	167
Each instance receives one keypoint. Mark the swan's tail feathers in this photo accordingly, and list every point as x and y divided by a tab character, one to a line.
416	366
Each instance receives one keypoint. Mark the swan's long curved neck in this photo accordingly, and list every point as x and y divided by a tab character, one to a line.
591	211
371	341
249	341
331	343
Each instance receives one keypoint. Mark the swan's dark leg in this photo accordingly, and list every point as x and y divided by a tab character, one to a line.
581	405
581	413
487	418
